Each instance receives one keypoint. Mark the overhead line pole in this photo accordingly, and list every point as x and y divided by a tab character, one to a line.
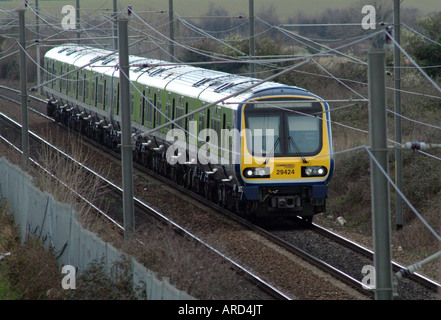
23	89
172	30
126	133
252	42
37	48
77	19
397	109
379	184
115	25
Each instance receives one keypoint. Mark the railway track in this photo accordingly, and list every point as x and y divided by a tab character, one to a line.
284	239
143	209
285	234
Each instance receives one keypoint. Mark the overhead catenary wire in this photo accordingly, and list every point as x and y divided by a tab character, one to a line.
225	98
296	70
78	68
434	84
420	69
334	50
323	46
66	74
342	83
422	35
269	61
413	209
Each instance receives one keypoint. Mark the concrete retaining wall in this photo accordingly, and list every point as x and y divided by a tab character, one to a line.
55	223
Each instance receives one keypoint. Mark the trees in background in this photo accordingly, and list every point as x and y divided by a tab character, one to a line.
427	51
234	32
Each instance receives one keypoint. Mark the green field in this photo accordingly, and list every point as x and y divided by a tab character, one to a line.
284	9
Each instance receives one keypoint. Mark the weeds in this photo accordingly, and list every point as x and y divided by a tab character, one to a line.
96	284
30	270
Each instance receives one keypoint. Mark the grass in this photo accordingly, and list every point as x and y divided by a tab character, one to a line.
6	293
8	241
31	272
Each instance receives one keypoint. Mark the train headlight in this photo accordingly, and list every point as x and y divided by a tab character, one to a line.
314	171
261	172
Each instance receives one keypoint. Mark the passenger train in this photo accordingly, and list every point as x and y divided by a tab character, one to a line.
269	151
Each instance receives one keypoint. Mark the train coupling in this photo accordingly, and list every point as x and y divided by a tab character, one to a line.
286	202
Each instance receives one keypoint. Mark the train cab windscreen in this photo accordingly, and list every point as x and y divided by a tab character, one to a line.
283	129
263	134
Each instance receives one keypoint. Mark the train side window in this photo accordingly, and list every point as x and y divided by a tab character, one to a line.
224	124
132	103
201	121
179	113
115	96
86	88
99	93
67	81
76	84
154	110
96	90
63	81
60	82
104	94
80	87
186	121
208	118
93	97
215	124
173	111
54	72
143	107
159	112
117	100
149	109
167	112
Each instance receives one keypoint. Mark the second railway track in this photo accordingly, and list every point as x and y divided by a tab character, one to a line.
225	235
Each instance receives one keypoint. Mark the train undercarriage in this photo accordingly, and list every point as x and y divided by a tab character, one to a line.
271	204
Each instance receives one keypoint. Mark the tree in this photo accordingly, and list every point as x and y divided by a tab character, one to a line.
428	53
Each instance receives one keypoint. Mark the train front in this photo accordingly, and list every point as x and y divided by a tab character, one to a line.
286	153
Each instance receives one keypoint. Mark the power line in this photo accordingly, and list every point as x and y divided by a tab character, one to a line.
434	84
412	208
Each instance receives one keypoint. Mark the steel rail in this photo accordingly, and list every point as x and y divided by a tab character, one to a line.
429	283
322	265
263	285
356	284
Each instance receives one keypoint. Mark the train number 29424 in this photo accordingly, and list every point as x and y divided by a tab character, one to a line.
285	171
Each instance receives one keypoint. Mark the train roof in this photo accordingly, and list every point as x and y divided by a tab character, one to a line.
209	85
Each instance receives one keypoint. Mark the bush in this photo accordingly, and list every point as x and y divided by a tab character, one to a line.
427	53
96	284
32	271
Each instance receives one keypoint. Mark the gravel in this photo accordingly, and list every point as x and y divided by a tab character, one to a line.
290	274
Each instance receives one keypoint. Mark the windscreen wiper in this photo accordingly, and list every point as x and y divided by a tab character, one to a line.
272	149
296	147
